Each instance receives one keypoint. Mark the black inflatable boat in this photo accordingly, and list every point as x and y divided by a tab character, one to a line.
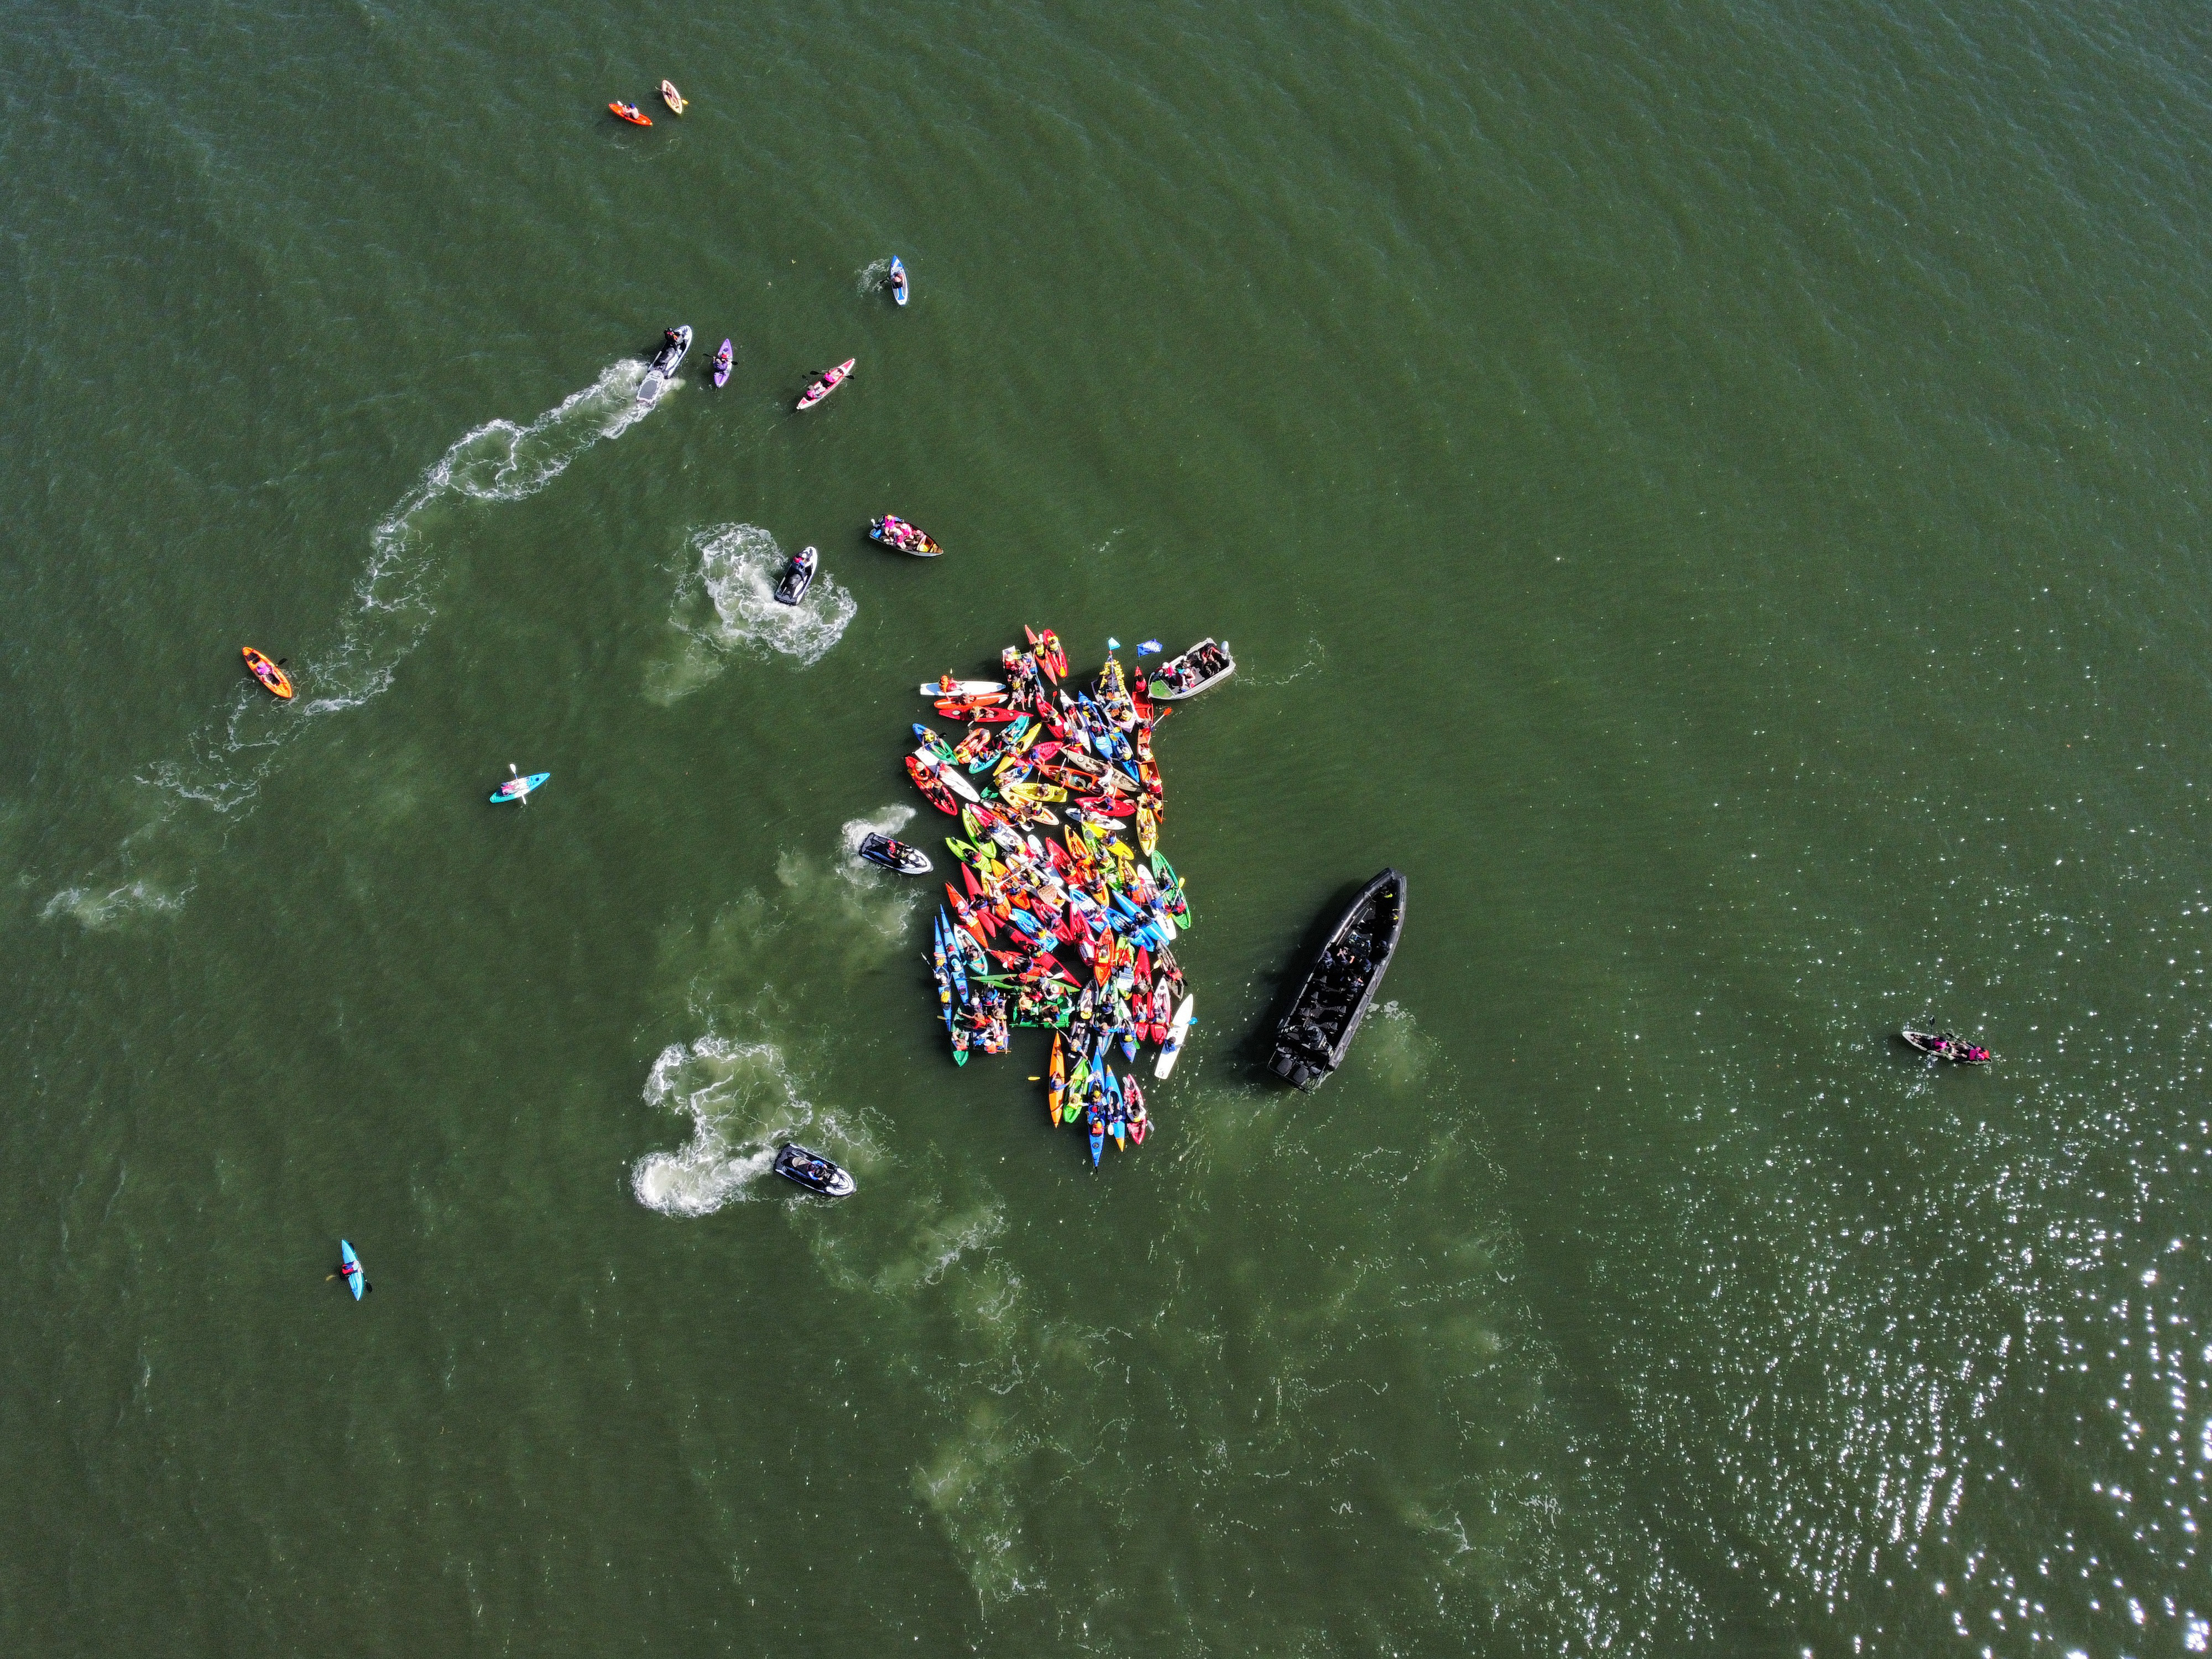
1312	1039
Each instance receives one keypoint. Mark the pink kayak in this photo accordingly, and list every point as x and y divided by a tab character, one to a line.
830	380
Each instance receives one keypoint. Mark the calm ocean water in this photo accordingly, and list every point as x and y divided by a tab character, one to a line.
1714	493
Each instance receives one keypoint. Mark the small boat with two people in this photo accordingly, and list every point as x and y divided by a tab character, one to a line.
894	855
631	114
673	98
1208	663
826	381
896	280
674	342
1340	985
813	1171
1945	1045
799	577
273	678
893	532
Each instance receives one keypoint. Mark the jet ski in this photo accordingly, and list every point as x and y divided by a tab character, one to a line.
799	577
894	855
898	282
722	360
674	342
813	1171
1943	1045
895	531
827	382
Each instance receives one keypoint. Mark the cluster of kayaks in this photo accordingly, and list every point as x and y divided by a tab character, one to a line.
1066	907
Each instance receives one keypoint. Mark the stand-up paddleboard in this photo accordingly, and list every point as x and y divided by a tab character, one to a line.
722	361
830	380
517	787
349	1266
949	687
272	675
899	280
673	98
1177	1031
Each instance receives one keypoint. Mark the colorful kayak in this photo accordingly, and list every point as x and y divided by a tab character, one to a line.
724	356
673	98
1177	1030
631	114
949	776
272	675
349	1267
926	780
827	382
517	787
898	282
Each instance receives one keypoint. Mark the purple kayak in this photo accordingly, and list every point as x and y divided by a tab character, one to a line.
722	364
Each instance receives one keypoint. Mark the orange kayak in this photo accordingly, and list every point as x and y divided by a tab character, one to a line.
272	677
631	114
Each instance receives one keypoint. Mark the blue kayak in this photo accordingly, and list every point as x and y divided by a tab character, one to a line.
350	1266
517	788
899	280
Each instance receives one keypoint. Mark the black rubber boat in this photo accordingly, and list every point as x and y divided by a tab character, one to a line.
813	1171
1312	1039
798	579
1943	1045
894	855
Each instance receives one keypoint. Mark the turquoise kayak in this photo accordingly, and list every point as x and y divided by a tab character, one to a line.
350	1265
517	788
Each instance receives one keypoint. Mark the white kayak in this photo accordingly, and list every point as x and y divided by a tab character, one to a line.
961	689
1176	1031
947	774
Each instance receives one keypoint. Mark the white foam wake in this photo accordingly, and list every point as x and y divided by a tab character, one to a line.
725	601
499	461
743	1105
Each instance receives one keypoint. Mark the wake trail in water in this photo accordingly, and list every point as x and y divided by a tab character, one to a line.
498	461
725	604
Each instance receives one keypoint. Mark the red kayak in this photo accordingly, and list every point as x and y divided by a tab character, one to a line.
631	114
937	794
830	380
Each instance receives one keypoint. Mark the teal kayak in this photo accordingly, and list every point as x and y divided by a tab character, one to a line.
518	786
349	1267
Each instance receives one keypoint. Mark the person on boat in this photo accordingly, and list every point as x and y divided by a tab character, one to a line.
348	1269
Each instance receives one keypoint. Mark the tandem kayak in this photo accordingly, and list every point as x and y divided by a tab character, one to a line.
1943	1045
674	342
517	787
827	382
673	98
631	114
813	1171
349	1268
272	675
799	577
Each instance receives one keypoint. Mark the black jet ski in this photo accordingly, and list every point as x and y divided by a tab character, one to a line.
674	342
1944	1045
1312	1039
813	1171
894	855
799	577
